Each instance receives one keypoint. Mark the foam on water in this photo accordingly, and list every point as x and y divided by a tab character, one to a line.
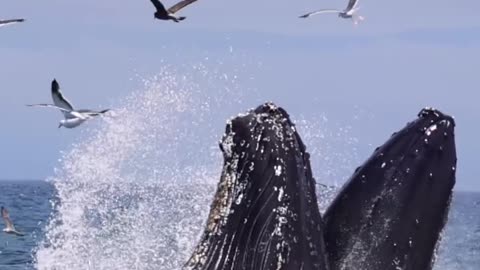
135	193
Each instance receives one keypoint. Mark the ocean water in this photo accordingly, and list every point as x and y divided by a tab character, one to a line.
135	190
30	207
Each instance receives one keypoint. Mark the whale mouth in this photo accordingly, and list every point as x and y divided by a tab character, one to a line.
430	119
427	140
438	129
241	131
265	211
433	148
395	205
388	215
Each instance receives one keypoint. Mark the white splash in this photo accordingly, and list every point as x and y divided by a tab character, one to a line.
430	129
278	170
135	193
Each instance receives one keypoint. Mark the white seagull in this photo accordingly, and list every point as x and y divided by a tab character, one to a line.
10	228
5	22
348	13
73	118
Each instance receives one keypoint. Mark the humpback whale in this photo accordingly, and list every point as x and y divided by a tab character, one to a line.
265	213
389	215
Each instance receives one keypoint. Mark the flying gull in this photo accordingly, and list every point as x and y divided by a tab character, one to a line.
12	21
73	118
10	228
348	13
168	14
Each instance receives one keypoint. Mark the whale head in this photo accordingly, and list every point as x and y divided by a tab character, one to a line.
265	213
393	209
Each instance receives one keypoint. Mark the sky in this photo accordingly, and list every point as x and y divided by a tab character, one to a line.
373	78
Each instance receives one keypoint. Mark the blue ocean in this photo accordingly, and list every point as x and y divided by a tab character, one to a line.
30	204
134	190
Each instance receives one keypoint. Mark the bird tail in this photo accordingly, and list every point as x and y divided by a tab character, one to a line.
104	111
181	18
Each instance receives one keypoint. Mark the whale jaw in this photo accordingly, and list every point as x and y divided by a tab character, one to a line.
265	212
390	214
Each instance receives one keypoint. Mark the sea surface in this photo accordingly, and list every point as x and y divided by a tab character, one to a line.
30	206
134	191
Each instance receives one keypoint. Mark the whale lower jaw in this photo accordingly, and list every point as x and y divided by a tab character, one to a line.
265	214
389	215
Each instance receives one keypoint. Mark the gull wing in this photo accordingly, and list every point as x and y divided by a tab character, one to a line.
7	220
159	6
320	11
180	5
68	114
351	5
92	113
60	101
5	22
48	106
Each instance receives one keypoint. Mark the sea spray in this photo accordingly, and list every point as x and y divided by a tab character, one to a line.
135	192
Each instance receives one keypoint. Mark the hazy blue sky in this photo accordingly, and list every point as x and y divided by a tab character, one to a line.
405	56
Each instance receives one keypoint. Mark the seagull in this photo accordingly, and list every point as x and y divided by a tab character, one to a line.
348	13
12	21
164	14
8	222
73	118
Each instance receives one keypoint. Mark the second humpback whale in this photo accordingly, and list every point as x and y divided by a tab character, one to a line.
390	214
265	214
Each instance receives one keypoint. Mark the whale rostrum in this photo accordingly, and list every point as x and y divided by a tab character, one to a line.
265	213
388	215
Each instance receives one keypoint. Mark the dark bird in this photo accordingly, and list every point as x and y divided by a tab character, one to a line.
9	227
12	21
168	14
